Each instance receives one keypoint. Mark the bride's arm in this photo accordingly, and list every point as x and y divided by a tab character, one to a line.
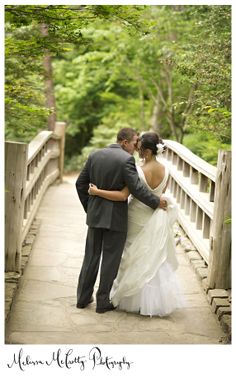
116	196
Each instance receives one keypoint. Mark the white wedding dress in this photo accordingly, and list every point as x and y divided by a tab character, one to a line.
146	281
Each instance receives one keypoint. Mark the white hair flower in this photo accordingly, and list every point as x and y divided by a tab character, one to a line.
160	148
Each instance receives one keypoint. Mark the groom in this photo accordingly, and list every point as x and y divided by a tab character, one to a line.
111	168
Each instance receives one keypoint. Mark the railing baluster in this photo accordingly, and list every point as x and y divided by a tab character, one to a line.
186	170
187	205
178	194
212	191
194	176
175	189
192	185
179	163
182	199
203	183
199	218
174	158
206	227
193	211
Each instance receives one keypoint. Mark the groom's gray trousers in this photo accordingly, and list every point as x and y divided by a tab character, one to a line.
111	244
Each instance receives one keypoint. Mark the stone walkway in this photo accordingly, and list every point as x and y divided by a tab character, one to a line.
44	311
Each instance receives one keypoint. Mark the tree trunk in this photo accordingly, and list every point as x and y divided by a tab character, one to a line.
60	130
142	111
169	101
155	117
49	87
172	124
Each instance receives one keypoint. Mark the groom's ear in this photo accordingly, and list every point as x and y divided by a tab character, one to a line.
124	143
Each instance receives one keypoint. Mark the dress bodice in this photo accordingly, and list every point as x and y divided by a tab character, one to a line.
139	212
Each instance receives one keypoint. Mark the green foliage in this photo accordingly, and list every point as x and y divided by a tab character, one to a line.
162	67
207	63
205	145
26	44
24	97
103	135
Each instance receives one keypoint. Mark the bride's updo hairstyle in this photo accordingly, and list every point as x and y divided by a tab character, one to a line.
151	140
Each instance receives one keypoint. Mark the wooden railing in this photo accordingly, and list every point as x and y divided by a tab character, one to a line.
195	184
29	170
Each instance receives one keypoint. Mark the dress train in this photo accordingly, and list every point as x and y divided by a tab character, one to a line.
146	282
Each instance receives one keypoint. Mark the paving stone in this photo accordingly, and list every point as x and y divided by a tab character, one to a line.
24	260
36	222
202	272
12	279
177	241
132	338
10	289
29	240
194	255
43	316
188	247
198	262
205	285
217	302
34	227
33	233
221	293
7	310
7	306
226	323
26	250
222	310
12	276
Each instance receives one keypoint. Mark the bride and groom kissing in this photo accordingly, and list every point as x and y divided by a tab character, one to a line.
129	229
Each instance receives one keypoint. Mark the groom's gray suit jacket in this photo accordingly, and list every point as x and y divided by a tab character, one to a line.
111	168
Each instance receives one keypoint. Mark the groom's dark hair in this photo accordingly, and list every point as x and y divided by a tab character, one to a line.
126	134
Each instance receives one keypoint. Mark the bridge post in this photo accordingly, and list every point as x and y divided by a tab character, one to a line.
60	130
219	275
15	182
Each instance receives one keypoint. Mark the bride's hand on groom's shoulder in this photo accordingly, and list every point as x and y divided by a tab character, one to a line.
92	189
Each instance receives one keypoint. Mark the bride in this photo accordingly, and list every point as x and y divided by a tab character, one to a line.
146	281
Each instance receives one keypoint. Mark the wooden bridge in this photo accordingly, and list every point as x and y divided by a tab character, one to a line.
201	191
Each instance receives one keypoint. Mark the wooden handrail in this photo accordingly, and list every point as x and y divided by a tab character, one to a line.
193	185
196	162
37	143
30	169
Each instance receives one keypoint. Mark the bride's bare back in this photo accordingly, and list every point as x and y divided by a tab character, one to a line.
154	173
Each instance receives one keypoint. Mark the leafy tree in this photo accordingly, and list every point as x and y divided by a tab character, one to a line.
207	64
26	46
161	67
